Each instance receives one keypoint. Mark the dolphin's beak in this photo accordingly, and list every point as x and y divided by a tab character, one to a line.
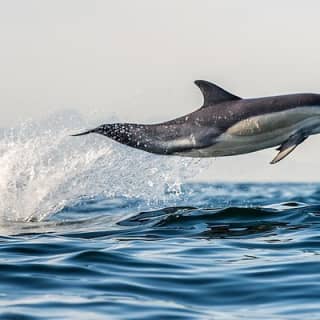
82	133
103	129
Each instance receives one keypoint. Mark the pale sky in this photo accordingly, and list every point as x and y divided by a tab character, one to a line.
137	60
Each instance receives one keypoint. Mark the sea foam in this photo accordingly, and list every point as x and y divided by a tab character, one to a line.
43	169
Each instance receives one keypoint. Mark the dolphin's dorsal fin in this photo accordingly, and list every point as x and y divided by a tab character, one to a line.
212	94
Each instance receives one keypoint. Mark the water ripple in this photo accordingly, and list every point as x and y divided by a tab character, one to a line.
206	257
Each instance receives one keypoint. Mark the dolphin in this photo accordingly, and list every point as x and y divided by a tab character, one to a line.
225	125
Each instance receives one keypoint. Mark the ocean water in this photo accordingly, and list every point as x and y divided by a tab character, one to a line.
90	229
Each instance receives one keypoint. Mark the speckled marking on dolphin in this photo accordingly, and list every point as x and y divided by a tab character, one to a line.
226	125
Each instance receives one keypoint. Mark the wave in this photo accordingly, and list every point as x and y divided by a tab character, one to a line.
175	222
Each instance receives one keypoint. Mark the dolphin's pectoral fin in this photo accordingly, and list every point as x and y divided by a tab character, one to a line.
288	146
212	94
282	154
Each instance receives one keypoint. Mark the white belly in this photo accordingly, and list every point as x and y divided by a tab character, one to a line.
265	131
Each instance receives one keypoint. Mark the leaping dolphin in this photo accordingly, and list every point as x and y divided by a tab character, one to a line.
226	125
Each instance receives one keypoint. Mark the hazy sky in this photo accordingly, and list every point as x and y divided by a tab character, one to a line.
137	60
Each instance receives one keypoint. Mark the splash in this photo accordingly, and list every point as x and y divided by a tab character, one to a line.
43	169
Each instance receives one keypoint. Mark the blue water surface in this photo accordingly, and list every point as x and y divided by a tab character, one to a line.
219	251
